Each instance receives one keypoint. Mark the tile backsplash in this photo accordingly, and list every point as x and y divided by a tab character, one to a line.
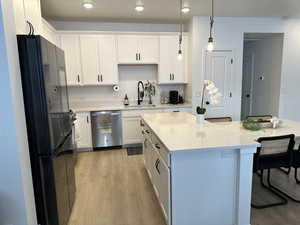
129	75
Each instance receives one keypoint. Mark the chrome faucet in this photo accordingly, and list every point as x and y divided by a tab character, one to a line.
140	92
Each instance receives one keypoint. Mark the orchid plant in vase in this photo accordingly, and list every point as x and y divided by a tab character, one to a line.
150	90
214	94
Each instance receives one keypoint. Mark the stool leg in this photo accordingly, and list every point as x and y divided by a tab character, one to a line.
287	172
296	176
282	192
283	202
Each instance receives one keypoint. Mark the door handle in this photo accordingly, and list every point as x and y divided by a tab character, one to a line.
98	78
173	76
78	78
170	76
136	57
140	56
101	78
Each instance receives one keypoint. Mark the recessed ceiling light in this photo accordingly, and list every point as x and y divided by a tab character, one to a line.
185	9
88	4
139	8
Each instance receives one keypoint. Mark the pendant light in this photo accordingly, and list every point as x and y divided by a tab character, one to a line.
179	56
210	46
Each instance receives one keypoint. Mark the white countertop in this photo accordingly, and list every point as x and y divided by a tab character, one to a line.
179	131
95	107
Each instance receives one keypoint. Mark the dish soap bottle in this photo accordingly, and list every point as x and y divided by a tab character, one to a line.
126	100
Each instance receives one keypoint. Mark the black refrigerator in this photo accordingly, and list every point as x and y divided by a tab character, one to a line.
49	127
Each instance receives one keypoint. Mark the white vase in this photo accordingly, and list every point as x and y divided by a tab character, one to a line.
200	118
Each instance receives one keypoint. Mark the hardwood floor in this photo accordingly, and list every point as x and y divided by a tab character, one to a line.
114	189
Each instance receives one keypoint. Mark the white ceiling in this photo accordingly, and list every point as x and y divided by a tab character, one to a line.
165	10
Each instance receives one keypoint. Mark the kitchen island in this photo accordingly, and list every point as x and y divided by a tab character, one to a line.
202	174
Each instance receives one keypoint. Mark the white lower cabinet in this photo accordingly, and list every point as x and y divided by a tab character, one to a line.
83	130
158	170
131	130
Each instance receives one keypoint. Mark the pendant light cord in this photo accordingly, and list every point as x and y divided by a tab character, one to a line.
181	24
211	18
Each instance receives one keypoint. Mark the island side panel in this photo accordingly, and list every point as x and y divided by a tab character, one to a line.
205	187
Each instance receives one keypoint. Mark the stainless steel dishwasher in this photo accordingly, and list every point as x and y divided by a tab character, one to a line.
106	129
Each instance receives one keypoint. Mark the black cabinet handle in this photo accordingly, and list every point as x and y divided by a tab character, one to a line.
156	165
87	119
101	78
170	76
142	125
173	76
98	78
207	102
143	132
147	131
140	56
78	78
157	146
136	57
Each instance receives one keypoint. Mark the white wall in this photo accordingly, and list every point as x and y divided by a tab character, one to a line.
128	79
16	191
229	34
267	64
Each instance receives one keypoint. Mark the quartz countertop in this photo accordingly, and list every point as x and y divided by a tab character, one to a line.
95	107
179	131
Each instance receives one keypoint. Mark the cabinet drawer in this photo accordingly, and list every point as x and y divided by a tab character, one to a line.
163	151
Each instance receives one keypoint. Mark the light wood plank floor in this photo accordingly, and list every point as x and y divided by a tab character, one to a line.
114	189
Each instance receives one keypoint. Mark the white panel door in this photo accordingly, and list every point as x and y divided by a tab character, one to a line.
127	49
148	49
71	46
90	59
218	68
83	131
108	60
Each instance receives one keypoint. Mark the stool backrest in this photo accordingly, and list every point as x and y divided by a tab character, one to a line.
219	119
276	145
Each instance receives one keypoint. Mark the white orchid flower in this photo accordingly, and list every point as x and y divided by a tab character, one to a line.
213	91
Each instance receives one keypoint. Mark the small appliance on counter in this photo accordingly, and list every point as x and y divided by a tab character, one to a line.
164	98
173	97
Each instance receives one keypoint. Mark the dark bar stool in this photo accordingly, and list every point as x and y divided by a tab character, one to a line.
219	119
275	152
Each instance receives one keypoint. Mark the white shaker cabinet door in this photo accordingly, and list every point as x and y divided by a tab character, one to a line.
171	69
83	131
90	59
108	60
71	46
131	130
127	49
148	49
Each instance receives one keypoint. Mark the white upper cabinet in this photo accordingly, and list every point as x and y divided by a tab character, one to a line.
90	59
70	45
171	69
138	49
29	10
98	57
108	60
149	49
